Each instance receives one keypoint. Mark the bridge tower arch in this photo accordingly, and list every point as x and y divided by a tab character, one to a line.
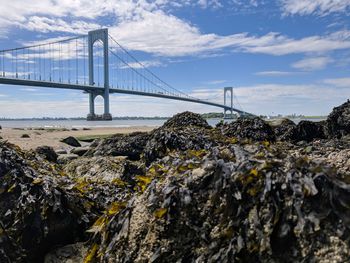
93	36
228	90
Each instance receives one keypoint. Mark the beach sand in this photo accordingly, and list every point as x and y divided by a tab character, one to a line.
52	137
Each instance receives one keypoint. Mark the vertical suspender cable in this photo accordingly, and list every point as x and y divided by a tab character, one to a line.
76	61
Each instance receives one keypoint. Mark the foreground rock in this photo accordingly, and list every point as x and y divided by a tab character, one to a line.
308	131
37	212
241	203
255	129
338	121
184	192
130	145
284	130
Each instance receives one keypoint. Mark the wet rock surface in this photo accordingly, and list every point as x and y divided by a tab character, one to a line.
185	192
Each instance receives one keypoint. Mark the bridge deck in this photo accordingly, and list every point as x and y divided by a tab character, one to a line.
88	88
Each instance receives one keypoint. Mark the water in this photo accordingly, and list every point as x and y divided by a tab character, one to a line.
92	124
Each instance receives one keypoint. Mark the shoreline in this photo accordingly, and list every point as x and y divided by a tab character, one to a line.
52	136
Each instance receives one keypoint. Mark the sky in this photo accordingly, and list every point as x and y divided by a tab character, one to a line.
280	56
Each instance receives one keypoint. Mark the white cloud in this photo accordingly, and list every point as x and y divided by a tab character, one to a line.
338	82
311	7
29	89
144	64
149	27
209	3
45	24
215	82
278	45
275	73
310	64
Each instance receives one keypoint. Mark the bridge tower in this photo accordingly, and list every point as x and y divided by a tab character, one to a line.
230	90
93	36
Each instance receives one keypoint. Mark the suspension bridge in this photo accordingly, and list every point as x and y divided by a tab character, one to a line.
96	64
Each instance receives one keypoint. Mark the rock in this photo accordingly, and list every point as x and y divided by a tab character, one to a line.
284	130
65	158
130	145
255	129
263	205
47	152
185	119
80	150
74	129
107	168
37	212
164	139
338	121
71	141
61	151
25	135
308	131
86	129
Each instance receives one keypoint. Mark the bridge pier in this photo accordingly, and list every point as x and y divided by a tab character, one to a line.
102	35
230	90
92	116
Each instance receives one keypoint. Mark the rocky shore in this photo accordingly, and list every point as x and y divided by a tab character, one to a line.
247	191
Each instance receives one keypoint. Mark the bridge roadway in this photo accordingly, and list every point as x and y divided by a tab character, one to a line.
88	88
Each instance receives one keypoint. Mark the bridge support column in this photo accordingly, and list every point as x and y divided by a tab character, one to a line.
230	90
92	116
101	34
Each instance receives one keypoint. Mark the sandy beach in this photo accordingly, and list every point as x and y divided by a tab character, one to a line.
52	137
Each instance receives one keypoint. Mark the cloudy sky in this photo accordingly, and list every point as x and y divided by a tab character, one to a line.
281	56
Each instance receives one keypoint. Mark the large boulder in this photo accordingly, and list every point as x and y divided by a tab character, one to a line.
185	119
338	121
255	129
71	141
130	145
258	206
36	211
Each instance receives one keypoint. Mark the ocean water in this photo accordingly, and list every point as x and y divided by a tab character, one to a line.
91	124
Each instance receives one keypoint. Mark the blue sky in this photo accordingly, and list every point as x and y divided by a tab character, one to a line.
281	56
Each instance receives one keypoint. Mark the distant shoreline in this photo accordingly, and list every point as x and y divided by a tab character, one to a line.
206	116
